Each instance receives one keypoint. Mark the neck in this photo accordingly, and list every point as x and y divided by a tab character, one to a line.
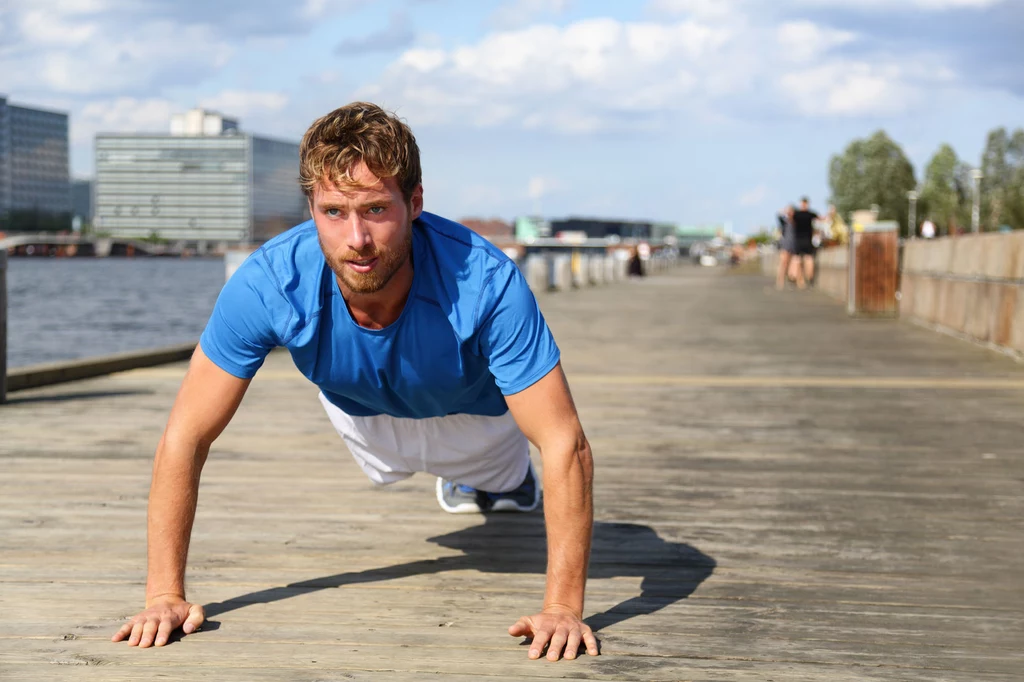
381	308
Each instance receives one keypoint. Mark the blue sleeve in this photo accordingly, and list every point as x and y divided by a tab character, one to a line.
240	332
514	337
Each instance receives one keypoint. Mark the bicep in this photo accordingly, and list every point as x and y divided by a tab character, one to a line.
546	415
206	402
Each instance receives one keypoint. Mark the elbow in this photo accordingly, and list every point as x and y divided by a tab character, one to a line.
585	459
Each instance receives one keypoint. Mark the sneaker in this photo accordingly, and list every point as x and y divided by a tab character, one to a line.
455	498
525	498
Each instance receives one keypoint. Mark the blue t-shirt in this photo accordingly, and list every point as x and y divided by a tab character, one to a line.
470	333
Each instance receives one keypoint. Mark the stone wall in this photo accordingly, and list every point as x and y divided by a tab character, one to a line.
972	285
832	277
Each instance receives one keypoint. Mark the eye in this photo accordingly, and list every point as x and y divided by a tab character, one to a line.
377	210
332	212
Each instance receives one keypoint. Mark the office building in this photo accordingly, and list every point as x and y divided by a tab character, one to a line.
81	204
35	180
205	181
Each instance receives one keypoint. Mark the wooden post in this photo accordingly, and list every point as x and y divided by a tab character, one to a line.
3	325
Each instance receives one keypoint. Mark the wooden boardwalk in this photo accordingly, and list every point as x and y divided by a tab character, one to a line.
781	494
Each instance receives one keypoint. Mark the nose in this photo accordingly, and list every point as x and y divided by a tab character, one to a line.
358	236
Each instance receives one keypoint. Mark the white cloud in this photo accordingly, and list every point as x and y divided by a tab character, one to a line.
541	186
590	75
704	9
858	88
754	197
95	60
242	103
928	5
121	115
519	13
804	41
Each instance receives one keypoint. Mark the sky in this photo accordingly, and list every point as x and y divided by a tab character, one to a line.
689	111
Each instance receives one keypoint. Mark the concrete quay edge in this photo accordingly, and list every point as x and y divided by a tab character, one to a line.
49	373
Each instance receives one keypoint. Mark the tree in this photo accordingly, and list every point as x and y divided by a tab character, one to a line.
1002	187
873	171
1015	190
946	194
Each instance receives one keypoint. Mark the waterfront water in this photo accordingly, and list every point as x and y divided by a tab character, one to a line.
66	308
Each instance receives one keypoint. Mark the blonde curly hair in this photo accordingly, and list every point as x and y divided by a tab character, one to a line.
360	131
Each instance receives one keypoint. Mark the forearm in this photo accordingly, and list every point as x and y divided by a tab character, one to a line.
569	517
173	496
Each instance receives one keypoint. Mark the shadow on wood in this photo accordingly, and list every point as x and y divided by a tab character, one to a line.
512	544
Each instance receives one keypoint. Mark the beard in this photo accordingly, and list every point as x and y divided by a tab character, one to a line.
389	261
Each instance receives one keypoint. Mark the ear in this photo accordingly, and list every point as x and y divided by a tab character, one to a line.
416	202
309	202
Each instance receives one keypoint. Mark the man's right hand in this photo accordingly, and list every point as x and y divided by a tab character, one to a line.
164	615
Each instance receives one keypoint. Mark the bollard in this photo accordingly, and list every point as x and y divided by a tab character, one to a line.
536	271
3	326
233	258
580	265
561	272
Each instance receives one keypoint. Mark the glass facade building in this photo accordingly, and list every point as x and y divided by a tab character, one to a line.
35	178
81	201
227	187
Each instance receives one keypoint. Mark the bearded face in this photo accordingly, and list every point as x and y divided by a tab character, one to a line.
370	271
365	230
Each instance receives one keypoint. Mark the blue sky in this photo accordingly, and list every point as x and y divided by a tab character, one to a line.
694	111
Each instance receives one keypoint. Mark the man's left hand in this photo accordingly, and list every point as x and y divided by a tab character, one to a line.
558	628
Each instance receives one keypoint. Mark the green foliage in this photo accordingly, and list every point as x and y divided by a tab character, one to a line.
1002	187
872	171
947	193
762	237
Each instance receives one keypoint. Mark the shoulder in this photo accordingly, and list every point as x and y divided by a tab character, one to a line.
464	274
289	261
449	238
295	248
283	278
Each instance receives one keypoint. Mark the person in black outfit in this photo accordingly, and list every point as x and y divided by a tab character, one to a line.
802	242
786	246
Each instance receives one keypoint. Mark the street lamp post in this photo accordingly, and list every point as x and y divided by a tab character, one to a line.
912	220
976	175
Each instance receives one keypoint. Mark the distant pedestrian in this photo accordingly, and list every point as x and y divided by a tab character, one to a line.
837	231
786	246
928	229
636	264
803	242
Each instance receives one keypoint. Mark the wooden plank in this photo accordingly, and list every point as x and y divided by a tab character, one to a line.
746	530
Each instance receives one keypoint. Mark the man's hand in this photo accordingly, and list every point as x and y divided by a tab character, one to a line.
559	628
163	616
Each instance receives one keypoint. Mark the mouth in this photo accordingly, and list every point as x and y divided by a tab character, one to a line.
363	265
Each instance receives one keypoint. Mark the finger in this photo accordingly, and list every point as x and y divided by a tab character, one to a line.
572	646
539	640
125	630
136	632
557	644
163	632
590	640
149	633
196	617
522	628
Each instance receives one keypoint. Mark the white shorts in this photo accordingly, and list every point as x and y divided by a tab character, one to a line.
486	453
